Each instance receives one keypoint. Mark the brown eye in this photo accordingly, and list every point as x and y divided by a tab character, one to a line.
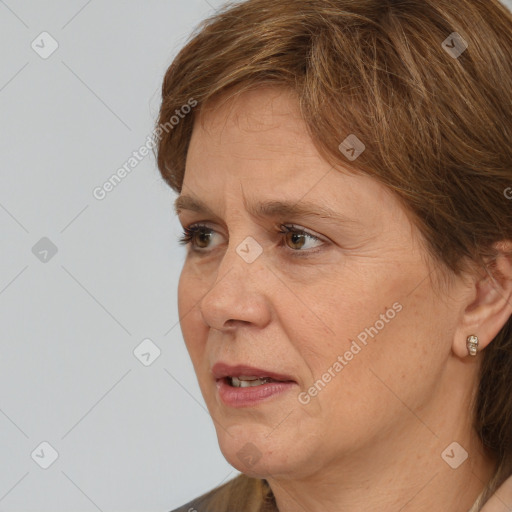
297	240
197	236
203	238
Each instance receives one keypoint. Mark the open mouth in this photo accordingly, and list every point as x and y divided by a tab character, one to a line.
241	386
243	381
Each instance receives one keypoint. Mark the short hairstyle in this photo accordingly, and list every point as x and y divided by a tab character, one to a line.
425	85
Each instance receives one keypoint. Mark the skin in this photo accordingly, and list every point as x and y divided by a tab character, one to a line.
372	438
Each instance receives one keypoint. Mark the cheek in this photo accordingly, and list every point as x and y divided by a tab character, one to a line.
185	294
372	323
190	291
391	367
338	310
192	286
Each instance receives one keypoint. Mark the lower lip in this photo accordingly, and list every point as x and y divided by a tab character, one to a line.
250	396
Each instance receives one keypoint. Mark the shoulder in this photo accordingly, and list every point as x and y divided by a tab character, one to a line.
203	503
501	498
189	507
240	494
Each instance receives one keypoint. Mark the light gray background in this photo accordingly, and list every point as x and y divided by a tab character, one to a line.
129	437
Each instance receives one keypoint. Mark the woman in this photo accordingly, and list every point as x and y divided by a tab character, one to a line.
342	169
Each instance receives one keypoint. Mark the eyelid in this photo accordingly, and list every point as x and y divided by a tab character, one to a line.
280	228
190	230
297	227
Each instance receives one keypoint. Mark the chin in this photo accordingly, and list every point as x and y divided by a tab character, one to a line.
253	452
251	461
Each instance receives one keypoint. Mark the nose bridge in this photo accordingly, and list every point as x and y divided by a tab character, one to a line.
238	291
241	267
244	255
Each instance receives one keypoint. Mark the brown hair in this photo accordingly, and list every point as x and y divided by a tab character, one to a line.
436	126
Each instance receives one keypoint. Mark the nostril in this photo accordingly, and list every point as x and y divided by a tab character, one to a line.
233	323
232	303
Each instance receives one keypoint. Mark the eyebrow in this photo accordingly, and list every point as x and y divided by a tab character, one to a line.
268	209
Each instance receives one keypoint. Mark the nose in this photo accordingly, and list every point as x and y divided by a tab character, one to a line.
238	295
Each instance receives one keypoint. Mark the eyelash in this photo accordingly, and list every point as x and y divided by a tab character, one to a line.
190	231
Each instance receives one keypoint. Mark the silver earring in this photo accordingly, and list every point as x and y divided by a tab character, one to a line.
472	345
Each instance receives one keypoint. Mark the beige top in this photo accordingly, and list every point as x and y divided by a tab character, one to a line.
501	500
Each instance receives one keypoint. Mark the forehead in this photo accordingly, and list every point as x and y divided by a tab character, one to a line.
253	139
268	114
258	143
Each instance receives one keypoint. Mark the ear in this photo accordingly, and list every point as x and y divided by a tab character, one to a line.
490	304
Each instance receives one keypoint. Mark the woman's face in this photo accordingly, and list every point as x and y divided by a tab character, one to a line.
345	313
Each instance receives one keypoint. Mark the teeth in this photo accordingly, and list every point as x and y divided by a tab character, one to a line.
245	382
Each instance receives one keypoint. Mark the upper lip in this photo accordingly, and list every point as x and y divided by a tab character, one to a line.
222	370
